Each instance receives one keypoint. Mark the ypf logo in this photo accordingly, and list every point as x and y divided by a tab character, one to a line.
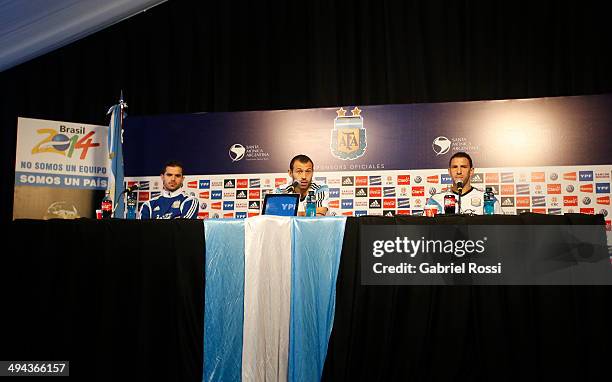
446	179
347	204
441	145
236	152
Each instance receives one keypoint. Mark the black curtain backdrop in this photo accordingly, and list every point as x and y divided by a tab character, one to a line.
183	57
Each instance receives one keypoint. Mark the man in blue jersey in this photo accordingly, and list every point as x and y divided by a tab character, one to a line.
461	171
173	203
301	170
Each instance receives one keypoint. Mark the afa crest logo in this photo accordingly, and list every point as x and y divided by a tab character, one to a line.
348	137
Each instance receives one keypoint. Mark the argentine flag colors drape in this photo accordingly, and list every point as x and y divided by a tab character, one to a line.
223	299
115	154
267	298
270	297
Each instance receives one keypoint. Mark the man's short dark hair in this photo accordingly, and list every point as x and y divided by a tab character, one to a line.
460	154
172	163
300	158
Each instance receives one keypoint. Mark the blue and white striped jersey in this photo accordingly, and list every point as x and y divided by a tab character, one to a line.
170	205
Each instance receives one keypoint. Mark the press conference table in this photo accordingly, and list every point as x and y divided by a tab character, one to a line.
126	298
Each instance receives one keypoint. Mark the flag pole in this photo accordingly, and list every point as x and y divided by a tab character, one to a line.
115	155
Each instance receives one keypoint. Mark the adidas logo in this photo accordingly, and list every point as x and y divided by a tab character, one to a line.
508	203
375	204
347	182
361	192
254	205
477	178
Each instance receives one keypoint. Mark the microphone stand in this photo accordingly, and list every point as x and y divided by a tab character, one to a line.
117	201
128	191
459	199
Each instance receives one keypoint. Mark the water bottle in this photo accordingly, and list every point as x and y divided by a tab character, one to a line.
130	211
489	201
107	206
311	204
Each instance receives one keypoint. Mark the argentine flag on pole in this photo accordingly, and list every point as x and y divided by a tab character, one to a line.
115	154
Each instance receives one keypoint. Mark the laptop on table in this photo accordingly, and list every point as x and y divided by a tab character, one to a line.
281	204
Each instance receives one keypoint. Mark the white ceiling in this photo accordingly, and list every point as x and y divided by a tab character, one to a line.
30	28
